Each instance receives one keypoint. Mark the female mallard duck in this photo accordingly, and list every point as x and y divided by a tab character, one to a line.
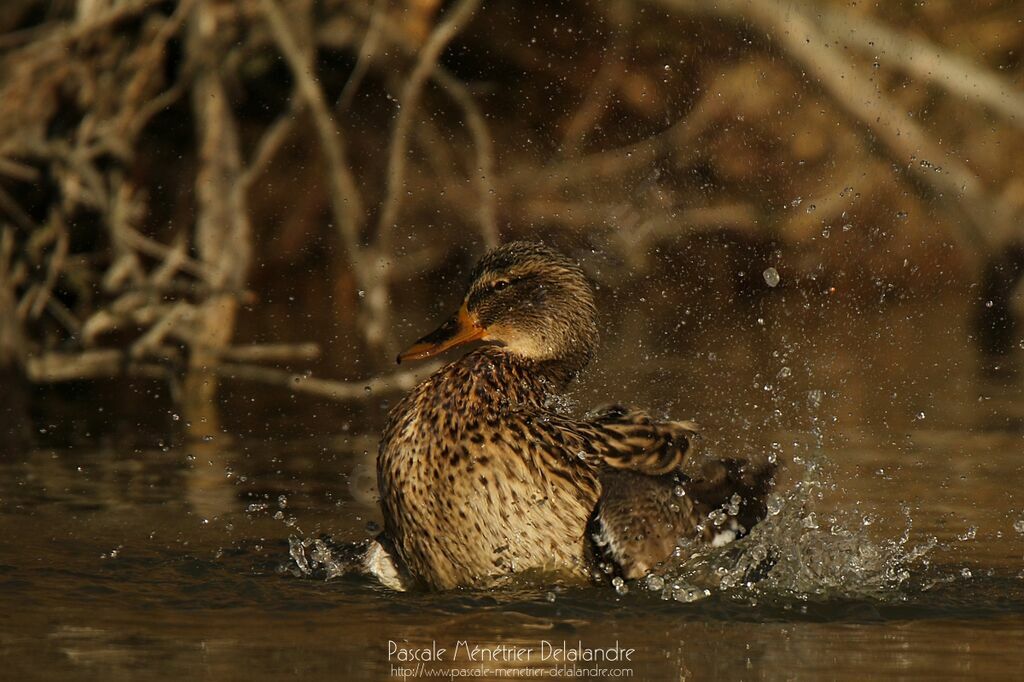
480	478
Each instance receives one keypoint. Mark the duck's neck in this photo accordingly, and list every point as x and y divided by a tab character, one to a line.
558	374
548	377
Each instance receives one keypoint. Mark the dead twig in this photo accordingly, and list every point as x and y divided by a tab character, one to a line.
677	140
484	172
18	171
54	267
367	50
476	123
51	368
620	14
151	247
325	388
173	321
345	197
445	31
15	212
272	140
270	352
110	362
376	299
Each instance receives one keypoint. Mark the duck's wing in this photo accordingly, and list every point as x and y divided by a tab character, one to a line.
631	440
616	439
655	496
653	493
639	520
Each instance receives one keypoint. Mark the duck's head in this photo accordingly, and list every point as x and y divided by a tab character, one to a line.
528	299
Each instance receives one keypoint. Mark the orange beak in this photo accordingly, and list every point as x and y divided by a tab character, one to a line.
460	329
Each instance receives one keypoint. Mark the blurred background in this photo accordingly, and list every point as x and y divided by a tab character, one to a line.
202	194
220	220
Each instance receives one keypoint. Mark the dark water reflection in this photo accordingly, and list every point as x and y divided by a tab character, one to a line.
163	562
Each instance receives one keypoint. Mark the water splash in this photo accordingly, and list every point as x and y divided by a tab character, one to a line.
315	557
794	554
798	551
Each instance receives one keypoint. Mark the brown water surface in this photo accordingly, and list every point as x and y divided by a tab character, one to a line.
898	537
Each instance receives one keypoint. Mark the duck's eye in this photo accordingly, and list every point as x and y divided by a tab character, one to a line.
500	284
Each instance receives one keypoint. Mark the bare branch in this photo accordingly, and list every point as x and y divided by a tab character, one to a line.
94	364
270	352
108	362
376	299
345	199
155	249
171	322
677	139
455	19
271	141
922	58
367	49
54	266
989	219
475	121
223	232
484	172
610	71
325	388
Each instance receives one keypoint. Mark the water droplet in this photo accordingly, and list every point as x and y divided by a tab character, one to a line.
1018	526
771	277
655	583
620	585
686	594
965	572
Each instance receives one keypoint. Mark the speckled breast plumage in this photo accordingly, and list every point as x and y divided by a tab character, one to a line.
474	485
